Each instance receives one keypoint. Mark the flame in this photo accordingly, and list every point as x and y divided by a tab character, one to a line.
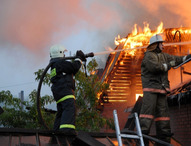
121	63
134	32
98	95
136	39
182	31
137	96
93	72
160	28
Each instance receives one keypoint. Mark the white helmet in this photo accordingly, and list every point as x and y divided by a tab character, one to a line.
155	39
57	51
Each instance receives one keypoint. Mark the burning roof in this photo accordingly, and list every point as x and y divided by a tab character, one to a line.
139	40
129	53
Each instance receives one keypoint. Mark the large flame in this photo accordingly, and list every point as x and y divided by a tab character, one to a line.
182	31
138	39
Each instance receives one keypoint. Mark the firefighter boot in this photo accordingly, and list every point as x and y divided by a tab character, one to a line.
163	138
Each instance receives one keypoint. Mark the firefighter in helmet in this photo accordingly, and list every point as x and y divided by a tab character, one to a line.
62	72
155	83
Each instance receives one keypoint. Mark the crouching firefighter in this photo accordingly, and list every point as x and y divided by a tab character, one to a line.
155	83
63	86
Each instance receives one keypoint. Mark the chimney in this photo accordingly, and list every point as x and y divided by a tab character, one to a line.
21	96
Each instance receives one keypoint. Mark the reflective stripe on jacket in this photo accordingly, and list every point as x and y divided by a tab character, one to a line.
146	116
152	117
162	119
67	126
65	97
62	73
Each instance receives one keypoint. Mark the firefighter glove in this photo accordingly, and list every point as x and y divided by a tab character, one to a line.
80	54
188	56
172	63
167	66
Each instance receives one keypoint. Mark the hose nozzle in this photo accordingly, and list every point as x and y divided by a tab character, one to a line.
89	55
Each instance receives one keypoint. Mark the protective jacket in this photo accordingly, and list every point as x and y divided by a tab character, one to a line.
62	73
154	70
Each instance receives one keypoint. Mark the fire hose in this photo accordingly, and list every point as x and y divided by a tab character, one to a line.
182	63
41	120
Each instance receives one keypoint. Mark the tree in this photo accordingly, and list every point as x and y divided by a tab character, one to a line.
87	94
15	116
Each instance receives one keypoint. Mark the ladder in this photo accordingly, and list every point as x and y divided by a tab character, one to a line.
120	136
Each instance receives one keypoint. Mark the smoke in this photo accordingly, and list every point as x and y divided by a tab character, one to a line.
35	25
38	24
172	13
29	28
32	24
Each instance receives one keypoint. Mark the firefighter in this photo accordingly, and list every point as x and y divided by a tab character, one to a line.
155	83
63	86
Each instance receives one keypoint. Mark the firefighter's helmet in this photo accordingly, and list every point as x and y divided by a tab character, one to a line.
155	39
57	51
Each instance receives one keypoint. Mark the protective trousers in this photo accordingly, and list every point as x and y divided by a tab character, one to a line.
65	117
155	107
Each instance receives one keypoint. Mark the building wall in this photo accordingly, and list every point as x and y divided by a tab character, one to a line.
181	123
122	115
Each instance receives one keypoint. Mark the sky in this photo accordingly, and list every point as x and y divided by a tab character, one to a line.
28	28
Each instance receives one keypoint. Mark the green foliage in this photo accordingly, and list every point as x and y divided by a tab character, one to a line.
13	115
44	100
87	91
90	120
22	114
46	79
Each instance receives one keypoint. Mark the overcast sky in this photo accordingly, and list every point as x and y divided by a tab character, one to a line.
29	27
